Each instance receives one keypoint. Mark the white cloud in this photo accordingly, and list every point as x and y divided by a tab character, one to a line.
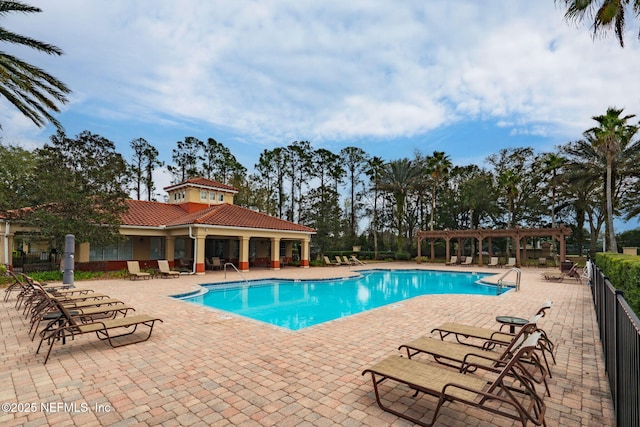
273	70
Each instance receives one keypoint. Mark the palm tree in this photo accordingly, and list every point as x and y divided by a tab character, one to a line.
397	179
611	137
552	163
606	14
438	166
30	89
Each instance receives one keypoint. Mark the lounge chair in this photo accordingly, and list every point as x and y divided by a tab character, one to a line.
489	338
85	311
338	260
327	261
511	262
165	270
356	261
347	261
559	276
70	326
452	261
134	271
459	355
494	262
507	391
17	285
467	260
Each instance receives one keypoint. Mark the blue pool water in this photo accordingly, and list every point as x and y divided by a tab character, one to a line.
299	304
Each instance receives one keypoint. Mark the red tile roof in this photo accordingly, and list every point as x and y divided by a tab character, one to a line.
150	214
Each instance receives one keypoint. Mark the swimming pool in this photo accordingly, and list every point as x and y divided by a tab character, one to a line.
299	304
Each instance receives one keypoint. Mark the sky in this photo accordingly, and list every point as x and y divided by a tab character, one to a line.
465	77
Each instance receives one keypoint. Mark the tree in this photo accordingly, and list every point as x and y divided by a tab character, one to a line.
397	179
271	168
144	162
610	138
186	156
219	164
80	185
375	167
30	89
607	15
355	161
17	167
438	166
298	159
553	162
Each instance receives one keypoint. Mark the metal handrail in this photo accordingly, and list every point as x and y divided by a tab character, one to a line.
516	284
237	271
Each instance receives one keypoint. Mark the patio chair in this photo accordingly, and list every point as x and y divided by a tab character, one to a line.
489	338
104	329
452	261
356	261
511	262
460	355
494	262
327	261
85	311
506	391
165	270
17	285
559	276
338	260
134	271
347	261
467	260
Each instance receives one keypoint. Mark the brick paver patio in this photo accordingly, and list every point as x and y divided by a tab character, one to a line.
206	367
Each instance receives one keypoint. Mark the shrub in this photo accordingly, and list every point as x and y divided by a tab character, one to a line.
403	256
623	272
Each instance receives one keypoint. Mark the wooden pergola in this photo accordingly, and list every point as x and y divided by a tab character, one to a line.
517	234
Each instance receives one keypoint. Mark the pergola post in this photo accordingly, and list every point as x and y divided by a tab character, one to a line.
419	260
480	251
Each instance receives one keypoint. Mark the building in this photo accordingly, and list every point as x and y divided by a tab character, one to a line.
199	222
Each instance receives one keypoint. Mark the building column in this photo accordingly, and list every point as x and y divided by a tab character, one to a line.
170	249
275	253
200	266
243	261
447	255
304	262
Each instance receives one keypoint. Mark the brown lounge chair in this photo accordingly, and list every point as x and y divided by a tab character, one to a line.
559	276
134	271
70	326
507	391
86	311
165	271
459	356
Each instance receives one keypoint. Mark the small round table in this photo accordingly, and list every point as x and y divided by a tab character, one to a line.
512	322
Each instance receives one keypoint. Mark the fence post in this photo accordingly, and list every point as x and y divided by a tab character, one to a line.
618	294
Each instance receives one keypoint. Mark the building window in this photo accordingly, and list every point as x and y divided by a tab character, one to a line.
221	197
203	195
156	250
212	196
121	251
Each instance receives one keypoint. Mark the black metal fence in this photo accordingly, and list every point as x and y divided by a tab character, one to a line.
620	336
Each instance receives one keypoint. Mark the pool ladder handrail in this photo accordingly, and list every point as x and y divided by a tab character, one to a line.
516	284
237	271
